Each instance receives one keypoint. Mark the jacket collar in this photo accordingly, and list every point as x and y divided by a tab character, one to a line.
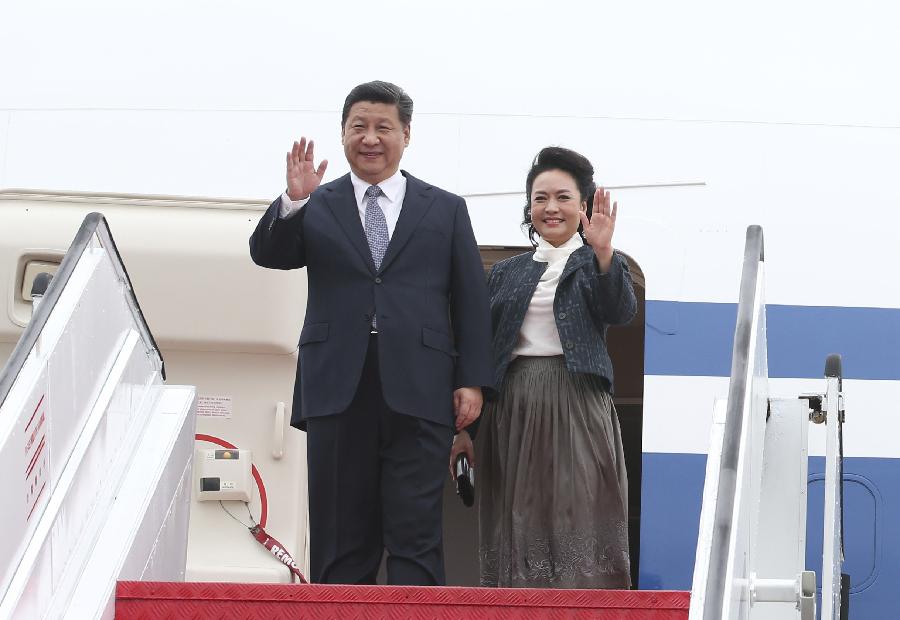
419	197
579	258
341	199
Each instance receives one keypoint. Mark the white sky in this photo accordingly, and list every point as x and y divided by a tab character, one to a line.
811	62
786	113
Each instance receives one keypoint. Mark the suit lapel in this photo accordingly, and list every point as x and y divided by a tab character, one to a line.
579	258
341	200
416	203
530	278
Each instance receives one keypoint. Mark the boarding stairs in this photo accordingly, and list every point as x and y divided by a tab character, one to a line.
750	559
95	448
99	520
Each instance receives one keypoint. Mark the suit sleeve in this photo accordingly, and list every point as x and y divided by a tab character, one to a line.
469	310
612	293
493	280
278	243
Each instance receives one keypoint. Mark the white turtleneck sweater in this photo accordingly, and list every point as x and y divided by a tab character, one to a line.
538	335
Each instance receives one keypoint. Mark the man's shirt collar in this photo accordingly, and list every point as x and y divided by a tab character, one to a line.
392	187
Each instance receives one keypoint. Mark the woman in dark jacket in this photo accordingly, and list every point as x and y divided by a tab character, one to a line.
552	487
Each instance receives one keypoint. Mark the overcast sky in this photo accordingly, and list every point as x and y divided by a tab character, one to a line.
810	62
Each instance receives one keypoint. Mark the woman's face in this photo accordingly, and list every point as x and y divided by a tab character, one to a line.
556	205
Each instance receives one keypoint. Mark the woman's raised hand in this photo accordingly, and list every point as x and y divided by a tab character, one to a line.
302	175
599	229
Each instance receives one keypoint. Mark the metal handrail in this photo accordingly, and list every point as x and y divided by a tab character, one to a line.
93	224
838	602
716	590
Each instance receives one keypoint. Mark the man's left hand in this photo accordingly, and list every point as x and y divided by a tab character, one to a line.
466	406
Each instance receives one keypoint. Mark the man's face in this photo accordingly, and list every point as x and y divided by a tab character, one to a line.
374	140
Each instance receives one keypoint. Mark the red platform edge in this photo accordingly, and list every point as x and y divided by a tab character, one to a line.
143	600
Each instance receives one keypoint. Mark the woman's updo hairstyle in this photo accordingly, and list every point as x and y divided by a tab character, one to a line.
570	162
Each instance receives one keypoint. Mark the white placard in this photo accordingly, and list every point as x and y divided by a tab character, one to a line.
214	406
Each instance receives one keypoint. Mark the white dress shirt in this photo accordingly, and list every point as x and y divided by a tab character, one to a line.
393	190
538	335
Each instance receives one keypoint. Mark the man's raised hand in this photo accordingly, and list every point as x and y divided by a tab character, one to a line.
302	175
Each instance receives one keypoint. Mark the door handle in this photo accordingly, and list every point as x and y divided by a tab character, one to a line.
278	435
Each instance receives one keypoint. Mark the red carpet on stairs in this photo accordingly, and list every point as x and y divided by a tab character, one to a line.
142	600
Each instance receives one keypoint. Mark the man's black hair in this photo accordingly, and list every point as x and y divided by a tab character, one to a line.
380	92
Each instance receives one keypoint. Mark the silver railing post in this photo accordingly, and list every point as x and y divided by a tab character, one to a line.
832	540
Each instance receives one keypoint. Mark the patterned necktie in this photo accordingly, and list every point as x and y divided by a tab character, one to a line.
376	225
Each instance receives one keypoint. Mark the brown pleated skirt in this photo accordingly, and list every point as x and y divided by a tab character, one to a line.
551	482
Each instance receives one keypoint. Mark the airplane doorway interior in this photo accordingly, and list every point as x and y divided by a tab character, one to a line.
626	347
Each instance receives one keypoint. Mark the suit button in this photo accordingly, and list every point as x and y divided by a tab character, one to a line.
377	280
570	344
562	315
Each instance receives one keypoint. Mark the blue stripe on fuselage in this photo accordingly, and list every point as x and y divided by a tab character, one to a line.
670	515
695	339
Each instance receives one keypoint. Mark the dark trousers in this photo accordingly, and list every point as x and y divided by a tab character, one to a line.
376	482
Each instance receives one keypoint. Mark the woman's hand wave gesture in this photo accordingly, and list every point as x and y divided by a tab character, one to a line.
599	229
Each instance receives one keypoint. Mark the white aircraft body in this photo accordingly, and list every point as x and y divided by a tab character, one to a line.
701	119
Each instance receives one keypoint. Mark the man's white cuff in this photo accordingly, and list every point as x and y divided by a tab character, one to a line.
290	208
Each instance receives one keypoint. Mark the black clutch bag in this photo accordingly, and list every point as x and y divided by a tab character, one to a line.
465	480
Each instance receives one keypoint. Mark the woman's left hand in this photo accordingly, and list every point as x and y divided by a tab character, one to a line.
599	229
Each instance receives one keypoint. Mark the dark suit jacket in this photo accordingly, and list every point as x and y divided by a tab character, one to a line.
586	302
430	294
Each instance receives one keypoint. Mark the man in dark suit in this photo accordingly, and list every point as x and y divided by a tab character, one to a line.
395	345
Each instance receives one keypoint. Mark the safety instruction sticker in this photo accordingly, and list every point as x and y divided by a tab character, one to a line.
37	457
214	406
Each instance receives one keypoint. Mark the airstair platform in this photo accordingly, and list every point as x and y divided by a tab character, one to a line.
143	600
97	525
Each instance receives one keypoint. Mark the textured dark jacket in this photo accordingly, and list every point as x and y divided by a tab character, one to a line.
586	303
431	278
